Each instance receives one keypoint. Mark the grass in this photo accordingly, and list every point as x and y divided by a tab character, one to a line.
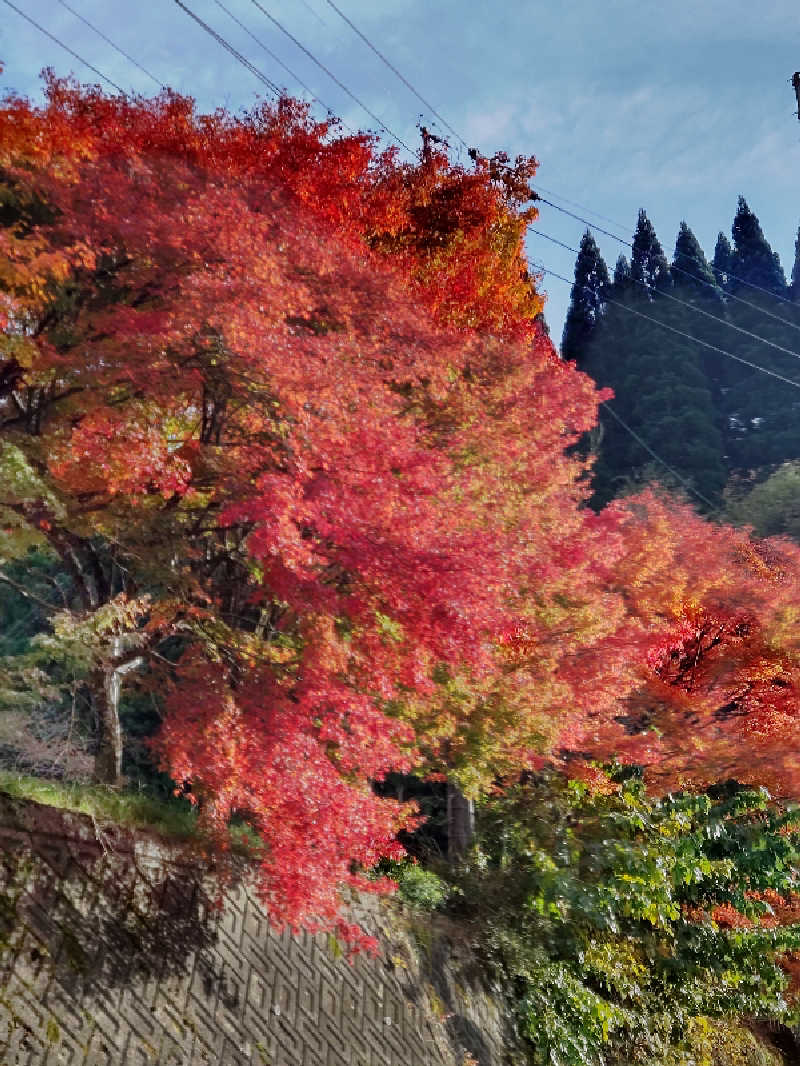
175	819
136	810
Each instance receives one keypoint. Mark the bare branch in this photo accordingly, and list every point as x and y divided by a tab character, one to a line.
23	591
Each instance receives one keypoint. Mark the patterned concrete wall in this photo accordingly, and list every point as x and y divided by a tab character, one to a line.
112	952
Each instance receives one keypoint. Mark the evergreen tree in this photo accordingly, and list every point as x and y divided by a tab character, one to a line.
690	267
662	393
661	381
753	259
723	261
622	275
588	297
760	411
707	415
649	266
795	286
697	284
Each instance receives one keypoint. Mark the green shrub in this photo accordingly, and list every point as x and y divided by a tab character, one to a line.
420	888
618	921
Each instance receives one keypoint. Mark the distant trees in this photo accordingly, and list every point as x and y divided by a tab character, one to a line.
795	286
653	339
690	266
771	507
587	301
649	266
658	377
753	260
723	259
622	274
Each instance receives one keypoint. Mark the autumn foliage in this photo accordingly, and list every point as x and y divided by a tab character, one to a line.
284	403
234	360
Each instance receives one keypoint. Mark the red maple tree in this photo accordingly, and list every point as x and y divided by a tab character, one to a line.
249	415
270	394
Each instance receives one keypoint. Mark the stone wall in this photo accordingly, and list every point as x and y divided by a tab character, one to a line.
113	951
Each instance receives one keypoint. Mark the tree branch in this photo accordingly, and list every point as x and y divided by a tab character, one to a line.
26	592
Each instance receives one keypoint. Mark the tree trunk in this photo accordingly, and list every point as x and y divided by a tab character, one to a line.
106	686
460	822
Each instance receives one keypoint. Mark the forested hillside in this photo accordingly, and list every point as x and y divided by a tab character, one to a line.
295	529
704	359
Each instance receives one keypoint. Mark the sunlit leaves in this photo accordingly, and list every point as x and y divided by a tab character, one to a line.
295	390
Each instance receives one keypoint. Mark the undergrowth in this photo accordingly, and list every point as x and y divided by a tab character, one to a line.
172	818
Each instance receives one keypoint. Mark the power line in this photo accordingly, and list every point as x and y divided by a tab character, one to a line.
628	244
685	303
558	196
583	207
687	336
396	72
331	75
316	14
680	270
686	484
643	443
108	40
550	192
66	47
591	225
279	61
229	48
458	136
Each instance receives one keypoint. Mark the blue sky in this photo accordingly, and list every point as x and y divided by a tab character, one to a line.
675	106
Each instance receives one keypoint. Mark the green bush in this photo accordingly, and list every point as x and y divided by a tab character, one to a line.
420	888
602	915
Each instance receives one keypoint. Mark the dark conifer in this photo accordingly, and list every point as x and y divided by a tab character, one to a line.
662	392
795	288
588	296
753	259
622	275
649	266
690	266
722	263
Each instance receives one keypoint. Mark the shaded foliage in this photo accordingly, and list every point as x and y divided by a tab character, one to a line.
622	922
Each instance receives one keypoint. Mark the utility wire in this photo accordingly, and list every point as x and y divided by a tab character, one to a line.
558	196
66	47
108	40
680	270
686	484
600	229
687	336
629	429
685	303
396	72
583	207
279	61
565	199
229	48
316	14
331	75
